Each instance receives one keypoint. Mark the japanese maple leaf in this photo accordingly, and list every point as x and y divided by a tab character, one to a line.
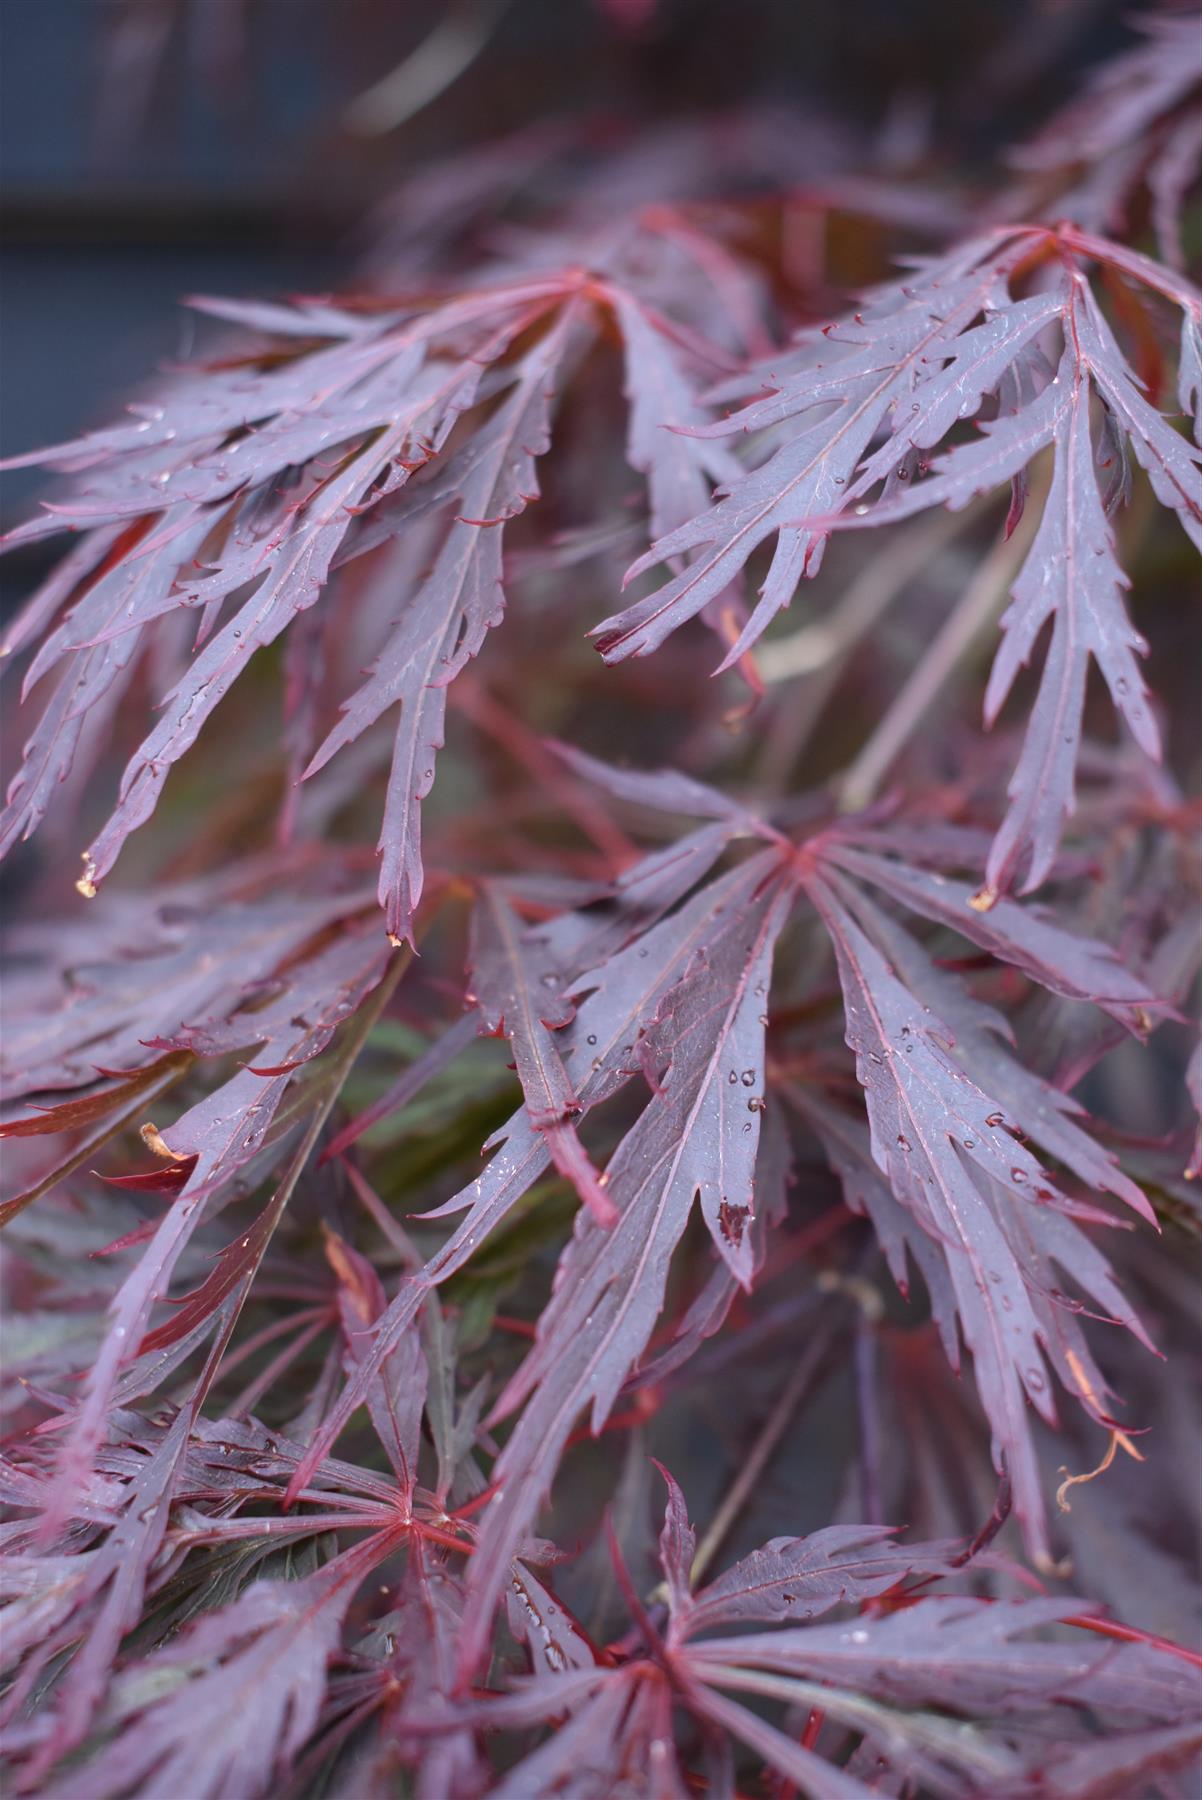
900	1678
950	343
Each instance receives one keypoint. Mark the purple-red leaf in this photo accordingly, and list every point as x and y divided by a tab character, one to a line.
697	1137
941	1140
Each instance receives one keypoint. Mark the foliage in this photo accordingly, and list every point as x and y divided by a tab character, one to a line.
776	1067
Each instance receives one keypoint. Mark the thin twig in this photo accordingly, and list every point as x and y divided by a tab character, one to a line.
822	641
821	649
437	63
983	599
867	1397
764	1448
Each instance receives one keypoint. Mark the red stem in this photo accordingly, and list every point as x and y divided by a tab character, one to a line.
1130	1634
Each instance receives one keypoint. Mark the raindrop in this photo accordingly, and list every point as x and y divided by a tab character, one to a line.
748	1077
755	1104
903	1141
591	1038
995	1118
1018	1175
1036	1380
733	1077
970	1143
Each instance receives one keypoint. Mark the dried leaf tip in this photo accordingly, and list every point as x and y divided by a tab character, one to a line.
151	1137
1118	1441
86	885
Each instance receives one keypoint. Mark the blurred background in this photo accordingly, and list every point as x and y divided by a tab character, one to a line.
152	148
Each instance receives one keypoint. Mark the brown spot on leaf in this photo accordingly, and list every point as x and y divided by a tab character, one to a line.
732	1221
